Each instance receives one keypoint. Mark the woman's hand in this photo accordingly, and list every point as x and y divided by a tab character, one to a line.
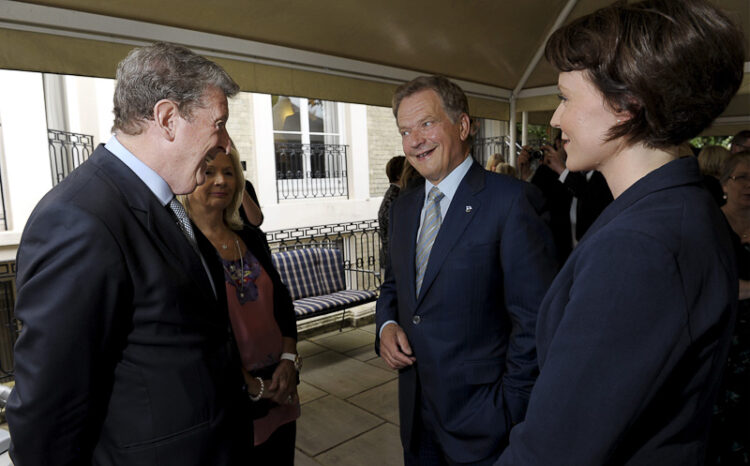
283	385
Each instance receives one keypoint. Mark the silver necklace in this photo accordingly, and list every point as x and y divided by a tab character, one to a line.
241	284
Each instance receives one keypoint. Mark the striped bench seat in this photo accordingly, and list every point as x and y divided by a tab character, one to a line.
315	278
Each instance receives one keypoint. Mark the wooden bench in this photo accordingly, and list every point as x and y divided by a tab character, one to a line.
316	280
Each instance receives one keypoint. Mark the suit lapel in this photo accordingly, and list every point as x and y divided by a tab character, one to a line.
154	218
463	208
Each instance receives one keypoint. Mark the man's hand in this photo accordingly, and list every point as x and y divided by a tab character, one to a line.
555	158
394	347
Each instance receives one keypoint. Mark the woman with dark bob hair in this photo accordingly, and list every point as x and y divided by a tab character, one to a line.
633	334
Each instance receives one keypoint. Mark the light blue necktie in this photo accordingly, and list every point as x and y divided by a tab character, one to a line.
432	220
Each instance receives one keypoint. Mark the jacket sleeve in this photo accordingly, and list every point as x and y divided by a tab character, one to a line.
73	301
386	307
528	261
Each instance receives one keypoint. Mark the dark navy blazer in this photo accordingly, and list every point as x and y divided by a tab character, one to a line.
472	326
126	355
633	333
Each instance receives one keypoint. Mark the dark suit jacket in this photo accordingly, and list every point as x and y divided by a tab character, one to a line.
593	197
472	327
126	355
634	332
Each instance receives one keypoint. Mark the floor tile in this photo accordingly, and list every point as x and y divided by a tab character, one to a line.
378	447
379	362
381	401
332	333
346	341
342	376
307	348
308	393
368	328
301	459
363	353
329	421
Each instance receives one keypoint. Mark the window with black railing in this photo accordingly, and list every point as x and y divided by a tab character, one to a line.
310	170
67	151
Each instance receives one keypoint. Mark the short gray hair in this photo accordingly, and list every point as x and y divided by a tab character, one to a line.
163	71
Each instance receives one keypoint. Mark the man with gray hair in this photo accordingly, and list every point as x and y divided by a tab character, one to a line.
125	354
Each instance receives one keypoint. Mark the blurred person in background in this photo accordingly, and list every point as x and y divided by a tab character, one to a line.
393	170
711	160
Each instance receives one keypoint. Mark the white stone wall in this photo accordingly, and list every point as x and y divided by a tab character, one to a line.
26	171
242	130
384	143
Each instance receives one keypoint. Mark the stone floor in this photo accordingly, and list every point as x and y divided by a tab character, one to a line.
349	402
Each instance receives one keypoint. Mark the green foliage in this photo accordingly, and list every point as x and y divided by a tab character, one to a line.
702	141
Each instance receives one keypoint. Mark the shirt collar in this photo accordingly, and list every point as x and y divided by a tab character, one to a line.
155	183
450	183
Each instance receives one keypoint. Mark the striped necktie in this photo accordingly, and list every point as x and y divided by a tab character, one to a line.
430	227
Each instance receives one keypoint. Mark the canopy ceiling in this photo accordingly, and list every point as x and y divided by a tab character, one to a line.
354	51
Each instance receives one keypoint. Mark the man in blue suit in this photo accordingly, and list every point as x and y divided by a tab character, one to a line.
470	261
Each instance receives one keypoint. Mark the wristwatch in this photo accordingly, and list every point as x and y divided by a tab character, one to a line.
294	358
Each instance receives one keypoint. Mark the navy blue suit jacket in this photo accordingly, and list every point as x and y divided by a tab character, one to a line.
472	326
633	333
125	356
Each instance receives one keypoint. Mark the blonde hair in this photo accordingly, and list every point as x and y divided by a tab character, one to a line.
231	212
712	159
494	160
504	169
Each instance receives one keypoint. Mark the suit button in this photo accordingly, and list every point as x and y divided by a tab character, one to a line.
416	320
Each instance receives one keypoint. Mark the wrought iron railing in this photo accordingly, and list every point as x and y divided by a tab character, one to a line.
483	148
310	170
9	326
358	241
67	151
3	212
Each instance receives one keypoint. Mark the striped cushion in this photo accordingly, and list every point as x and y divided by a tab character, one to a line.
331	270
299	271
307	307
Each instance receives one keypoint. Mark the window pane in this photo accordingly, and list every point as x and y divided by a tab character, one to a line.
323	117
287	137
286	113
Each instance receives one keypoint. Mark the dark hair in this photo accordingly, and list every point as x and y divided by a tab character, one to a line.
409	176
394	167
163	71
731	163
674	65
741	141
454	100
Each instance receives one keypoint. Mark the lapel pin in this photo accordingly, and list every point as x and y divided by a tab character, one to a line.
468	209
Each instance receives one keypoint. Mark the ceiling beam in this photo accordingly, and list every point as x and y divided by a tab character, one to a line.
70	23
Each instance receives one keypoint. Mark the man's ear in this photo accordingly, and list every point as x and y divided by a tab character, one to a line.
166	114
465	127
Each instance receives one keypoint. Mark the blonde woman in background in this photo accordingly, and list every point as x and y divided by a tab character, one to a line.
711	160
